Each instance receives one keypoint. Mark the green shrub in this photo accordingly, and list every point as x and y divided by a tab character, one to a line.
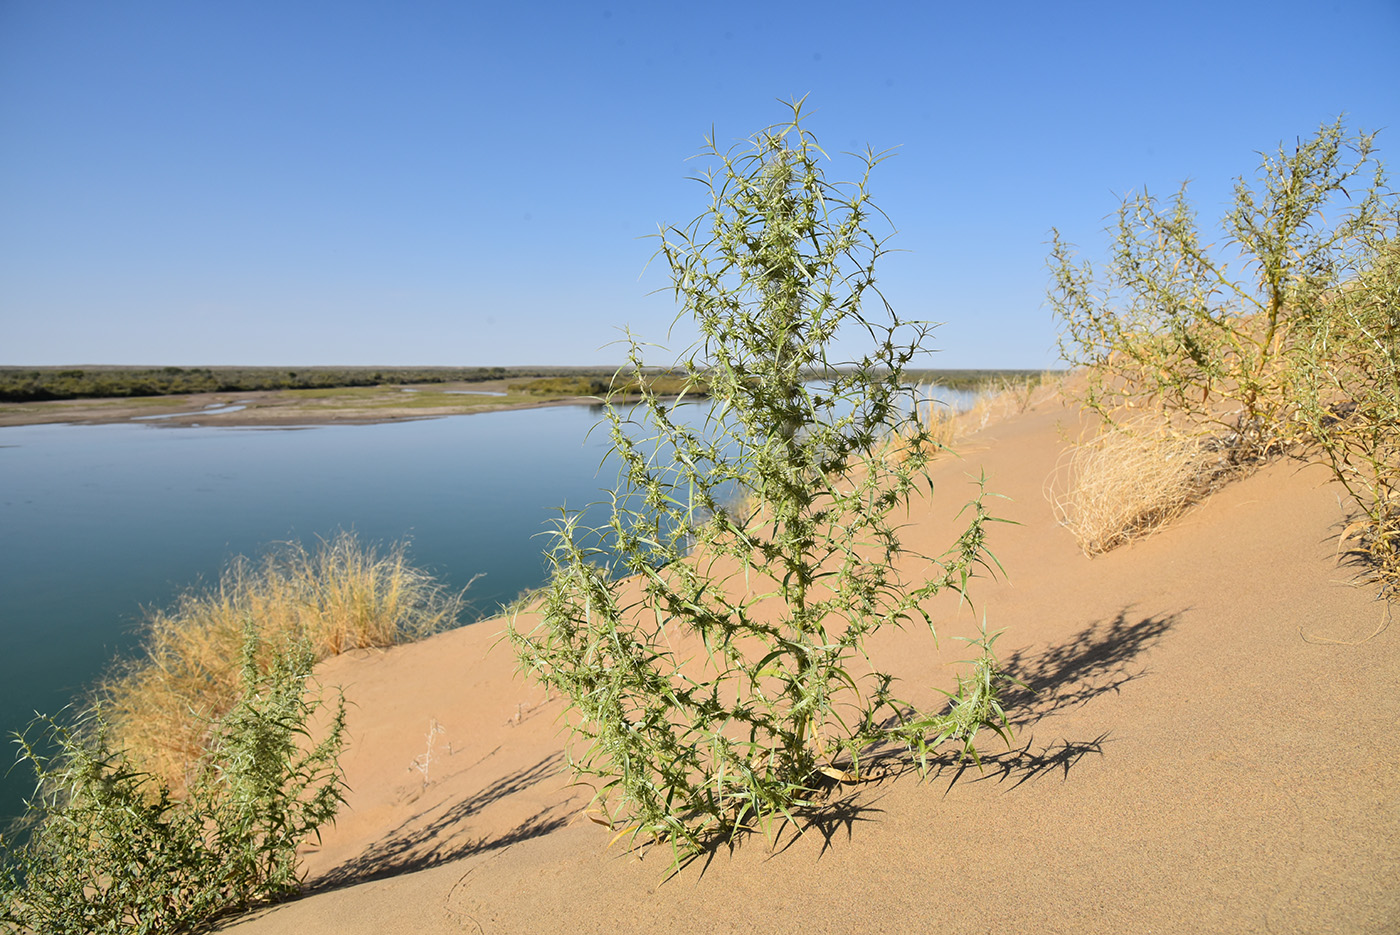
712	690
1211	332
27	385
111	851
621	384
1287	334
561	386
1347	382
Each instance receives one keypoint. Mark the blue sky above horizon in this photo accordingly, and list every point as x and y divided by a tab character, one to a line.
471	184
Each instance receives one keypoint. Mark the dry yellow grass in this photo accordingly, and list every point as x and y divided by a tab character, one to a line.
342	596
995	402
939	424
1006	398
1127	482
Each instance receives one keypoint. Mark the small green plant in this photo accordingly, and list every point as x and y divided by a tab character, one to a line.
423	763
1210	333
112	851
712	689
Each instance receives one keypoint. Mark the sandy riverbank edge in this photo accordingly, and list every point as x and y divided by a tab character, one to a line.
274	408
1210	749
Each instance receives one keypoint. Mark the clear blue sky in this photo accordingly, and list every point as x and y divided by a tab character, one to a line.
465	183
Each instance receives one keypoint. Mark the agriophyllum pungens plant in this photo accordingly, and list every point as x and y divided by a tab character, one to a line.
1211	332
1284	334
112	850
711	689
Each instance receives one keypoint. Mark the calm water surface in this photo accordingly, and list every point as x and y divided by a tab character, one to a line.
101	521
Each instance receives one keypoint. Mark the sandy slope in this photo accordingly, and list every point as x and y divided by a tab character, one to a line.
1211	748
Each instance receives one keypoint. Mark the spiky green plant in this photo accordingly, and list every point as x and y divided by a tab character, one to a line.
1347	382
1208	331
1284	336
111	851
711	689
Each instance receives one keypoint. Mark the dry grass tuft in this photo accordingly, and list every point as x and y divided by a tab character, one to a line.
996	401
343	596
1003	399
939	424
1128	482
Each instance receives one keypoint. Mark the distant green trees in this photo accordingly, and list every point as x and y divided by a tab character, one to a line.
19	384
33	384
621	384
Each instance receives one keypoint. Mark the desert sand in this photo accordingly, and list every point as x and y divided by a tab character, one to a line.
1210	747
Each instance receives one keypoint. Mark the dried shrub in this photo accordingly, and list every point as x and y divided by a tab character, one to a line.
1210	332
1347	382
1130	480
1004	398
343	596
1282	336
932	433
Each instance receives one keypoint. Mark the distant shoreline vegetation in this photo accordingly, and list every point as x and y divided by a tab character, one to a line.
33	384
661	383
37	384
976	380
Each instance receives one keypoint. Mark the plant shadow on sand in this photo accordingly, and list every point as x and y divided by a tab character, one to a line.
417	844
1093	662
1097	660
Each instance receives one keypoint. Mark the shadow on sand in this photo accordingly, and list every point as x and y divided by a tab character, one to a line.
1099	659
427	841
1095	661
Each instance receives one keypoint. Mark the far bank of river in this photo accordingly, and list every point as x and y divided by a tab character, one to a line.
355	405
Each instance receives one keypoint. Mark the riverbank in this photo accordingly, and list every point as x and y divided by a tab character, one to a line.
1206	749
369	405
106	522
271	408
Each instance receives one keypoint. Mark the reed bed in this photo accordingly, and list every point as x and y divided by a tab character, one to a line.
342	596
